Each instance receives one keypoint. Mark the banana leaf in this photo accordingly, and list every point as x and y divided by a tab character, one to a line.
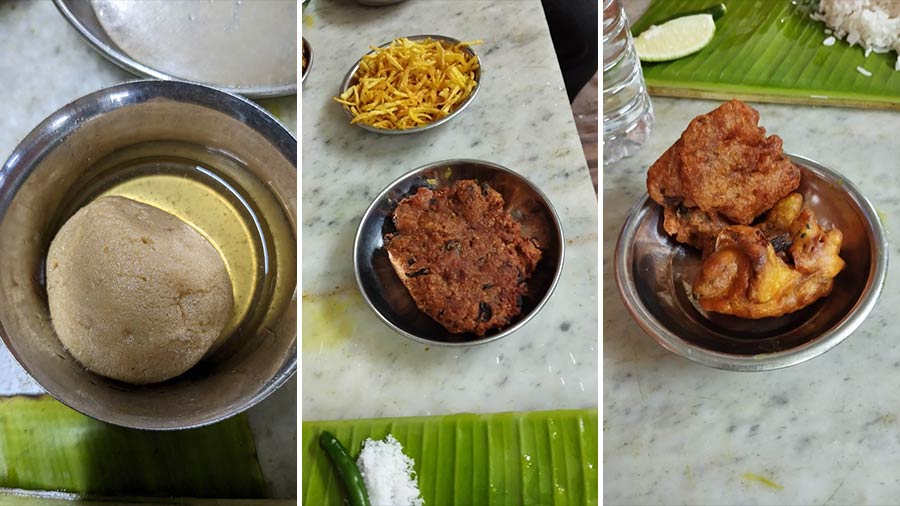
525	458
11	497
771	51
45	445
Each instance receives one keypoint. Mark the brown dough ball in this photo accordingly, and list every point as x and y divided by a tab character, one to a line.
135	293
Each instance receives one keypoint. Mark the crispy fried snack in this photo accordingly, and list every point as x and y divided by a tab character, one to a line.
723	166
409	83
776	227
690	225
462	256
746	277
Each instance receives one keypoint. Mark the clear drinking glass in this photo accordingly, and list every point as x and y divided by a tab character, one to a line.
627	111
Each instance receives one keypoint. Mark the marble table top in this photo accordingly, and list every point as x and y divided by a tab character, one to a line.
44	64
353	365
822	432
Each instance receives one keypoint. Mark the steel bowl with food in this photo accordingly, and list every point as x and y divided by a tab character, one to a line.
387	294
217	161
654	274
351	79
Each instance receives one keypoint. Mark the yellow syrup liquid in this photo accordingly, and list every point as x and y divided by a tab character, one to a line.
219	198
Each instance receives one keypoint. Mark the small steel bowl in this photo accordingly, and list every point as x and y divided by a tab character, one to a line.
350	80
307	50
654	276
389	298
49	175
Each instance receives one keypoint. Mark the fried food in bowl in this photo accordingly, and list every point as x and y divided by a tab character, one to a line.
655	275
746	276
458	252
411	84
726	189
769	277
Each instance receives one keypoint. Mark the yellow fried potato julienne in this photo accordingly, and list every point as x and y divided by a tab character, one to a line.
409	84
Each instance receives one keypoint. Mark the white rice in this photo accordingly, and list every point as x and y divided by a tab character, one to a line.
388	473
873	25
863	71
829	41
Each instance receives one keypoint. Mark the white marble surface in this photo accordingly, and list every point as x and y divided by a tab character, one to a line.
822	432
45	64
355	366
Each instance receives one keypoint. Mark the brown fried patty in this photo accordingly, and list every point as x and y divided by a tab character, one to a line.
724	163
722	171
462	256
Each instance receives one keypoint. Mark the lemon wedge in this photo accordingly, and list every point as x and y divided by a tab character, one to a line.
676	38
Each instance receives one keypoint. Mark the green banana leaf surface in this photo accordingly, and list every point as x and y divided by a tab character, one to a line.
518	458
771	50
45	445
10	497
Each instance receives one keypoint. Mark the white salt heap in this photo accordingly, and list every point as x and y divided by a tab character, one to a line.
388	473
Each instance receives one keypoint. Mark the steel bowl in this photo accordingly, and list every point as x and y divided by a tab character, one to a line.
48	172
205	37
350	80
389	298
654	276
307	50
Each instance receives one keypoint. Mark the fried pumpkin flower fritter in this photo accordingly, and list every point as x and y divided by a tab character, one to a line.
747	277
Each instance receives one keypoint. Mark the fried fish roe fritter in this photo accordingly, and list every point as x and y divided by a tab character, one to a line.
725	166
462	256
746	277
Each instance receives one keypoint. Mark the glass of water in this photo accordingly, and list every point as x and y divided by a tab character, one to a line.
627	111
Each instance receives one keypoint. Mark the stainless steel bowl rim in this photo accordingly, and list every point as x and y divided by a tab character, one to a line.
505	332
378	3
128	64
309	53
53	131
348	77
766	361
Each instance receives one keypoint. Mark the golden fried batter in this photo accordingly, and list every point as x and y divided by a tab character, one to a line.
690	225
782	215
746	277
776	227
720	177
731	167
724	166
